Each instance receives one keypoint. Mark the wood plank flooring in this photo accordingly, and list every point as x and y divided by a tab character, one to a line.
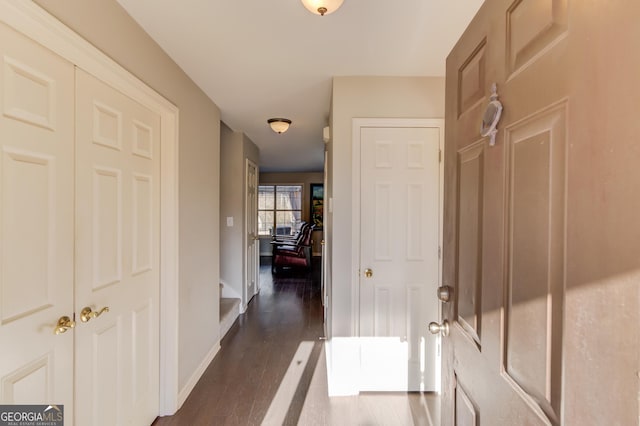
240	384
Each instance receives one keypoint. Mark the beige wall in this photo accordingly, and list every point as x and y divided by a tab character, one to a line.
364	97
305	179
231	202
106	25
235	149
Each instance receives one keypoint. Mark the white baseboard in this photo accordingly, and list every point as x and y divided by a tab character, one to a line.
191	383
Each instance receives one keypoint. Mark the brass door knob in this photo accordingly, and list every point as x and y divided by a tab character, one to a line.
64	324
368	272
87	314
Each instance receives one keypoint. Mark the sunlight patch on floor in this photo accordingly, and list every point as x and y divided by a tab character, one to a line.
381	408
318	408
286	391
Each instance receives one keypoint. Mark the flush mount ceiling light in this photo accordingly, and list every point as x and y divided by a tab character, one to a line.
322	7
279	125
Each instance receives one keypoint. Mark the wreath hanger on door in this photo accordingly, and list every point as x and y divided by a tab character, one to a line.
491	117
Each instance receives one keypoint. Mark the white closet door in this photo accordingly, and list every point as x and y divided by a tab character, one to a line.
36	223
398	257
117	226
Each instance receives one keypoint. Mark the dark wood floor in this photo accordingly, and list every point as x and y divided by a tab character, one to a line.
238	386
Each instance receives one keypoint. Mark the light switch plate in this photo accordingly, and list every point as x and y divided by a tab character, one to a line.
230	221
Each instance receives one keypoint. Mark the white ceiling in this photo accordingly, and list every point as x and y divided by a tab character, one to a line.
273	58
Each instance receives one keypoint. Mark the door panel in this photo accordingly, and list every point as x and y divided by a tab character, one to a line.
117	205
466	413
399	244
537	257
532	27
469	267
36	223
252	241
535	280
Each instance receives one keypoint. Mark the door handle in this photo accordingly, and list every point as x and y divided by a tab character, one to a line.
64	323
435	328
444	293
87	314
368	272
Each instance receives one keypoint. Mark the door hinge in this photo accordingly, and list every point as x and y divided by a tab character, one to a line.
439	252
439	156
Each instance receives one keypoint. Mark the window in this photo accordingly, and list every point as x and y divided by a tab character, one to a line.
279	209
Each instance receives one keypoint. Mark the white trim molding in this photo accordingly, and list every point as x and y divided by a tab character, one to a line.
31	20
197	374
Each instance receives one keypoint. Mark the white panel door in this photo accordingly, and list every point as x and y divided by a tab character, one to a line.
252	241
117	250
36	223
399	266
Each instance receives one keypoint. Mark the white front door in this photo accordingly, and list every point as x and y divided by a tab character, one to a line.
399	264
36	223
117	256
252	240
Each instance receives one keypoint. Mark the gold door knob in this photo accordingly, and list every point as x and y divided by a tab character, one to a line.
87	314
64	323
368	272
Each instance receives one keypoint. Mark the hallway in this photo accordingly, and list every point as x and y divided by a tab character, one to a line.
242	384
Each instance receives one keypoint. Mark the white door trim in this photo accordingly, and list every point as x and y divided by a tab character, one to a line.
31	20
357	125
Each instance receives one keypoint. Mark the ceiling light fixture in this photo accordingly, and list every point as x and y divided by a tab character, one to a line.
322	7
279	125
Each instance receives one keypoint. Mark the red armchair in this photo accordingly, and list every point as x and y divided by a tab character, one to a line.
296	253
